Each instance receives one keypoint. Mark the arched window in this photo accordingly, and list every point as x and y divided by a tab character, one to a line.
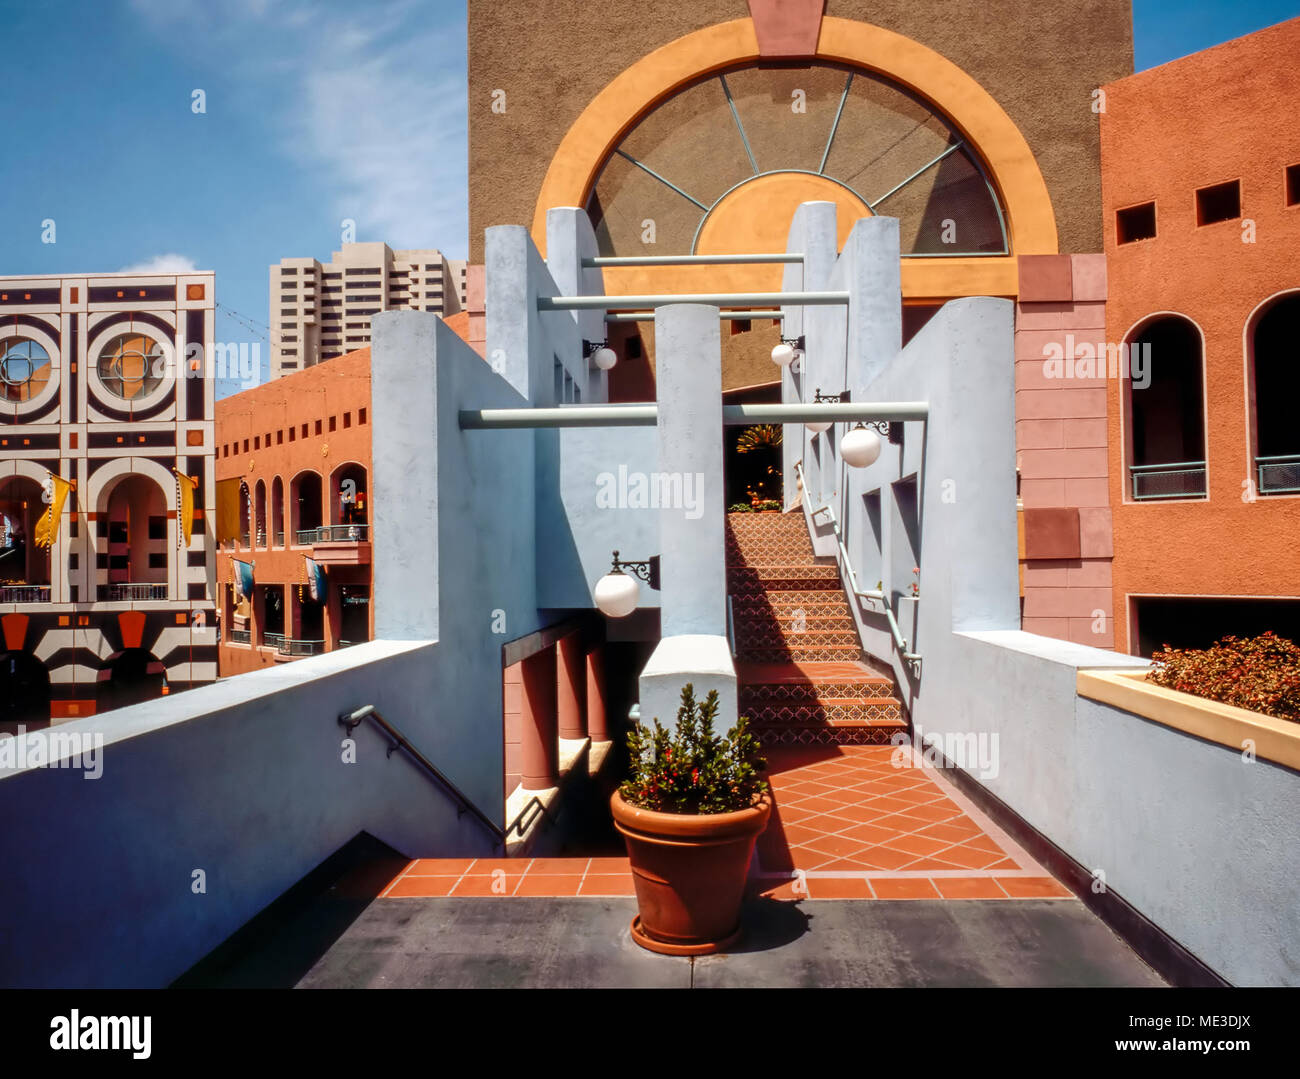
726	160
259	514
305	507
1165	399
277	512
245	516
1273	343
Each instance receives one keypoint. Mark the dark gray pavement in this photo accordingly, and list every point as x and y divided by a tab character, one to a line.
584	943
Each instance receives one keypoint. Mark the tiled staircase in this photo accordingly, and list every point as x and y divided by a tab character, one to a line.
802	675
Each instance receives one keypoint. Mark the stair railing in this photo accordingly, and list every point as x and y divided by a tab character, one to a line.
731	626
397	740
913	659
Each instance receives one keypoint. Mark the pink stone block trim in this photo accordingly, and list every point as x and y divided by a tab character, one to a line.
1041	494
786	28
1047	574
1087	317
1081	632
1043	316
1088	273
1065	464
1040	434
1087	492
1096	532
1047	627
1089	573
1045	278
1050	404
1088	433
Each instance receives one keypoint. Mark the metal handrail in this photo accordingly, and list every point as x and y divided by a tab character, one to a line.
731	626
1170	468
133	592
1275	461
846	567
352	720
24	593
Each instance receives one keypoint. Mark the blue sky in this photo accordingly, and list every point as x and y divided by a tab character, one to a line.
317	111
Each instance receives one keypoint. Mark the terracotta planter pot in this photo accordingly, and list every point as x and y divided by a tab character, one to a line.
690	872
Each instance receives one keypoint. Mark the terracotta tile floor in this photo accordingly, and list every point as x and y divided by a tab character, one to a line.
847	824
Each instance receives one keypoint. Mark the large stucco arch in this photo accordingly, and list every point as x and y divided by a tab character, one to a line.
1012	169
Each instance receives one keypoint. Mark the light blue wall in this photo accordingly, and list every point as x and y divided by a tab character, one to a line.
244	780
1194	838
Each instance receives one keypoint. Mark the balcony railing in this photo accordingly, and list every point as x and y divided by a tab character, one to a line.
241	636
272	640
24	593
131	593
1279	475
1178	479
291	647
279	538
332	534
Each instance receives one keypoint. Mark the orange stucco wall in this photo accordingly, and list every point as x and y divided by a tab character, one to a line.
1223	114
259	436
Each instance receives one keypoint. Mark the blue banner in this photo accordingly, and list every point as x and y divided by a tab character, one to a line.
316	585
243	577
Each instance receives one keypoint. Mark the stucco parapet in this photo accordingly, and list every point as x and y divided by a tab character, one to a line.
1269	738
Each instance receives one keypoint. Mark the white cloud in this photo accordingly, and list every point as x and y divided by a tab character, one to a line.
162	264
370	99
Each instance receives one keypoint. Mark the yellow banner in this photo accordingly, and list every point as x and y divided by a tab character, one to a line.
47	528
185	486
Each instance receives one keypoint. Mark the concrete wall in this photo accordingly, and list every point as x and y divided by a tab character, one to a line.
244	780
1183	830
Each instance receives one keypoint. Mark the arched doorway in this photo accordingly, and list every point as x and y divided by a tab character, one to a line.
131	676
138	552
349	499
24	692
24	567
305	507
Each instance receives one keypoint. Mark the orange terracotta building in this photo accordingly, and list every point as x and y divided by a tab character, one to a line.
293	483
1201	203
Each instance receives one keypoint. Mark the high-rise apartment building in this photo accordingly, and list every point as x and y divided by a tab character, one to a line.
322	310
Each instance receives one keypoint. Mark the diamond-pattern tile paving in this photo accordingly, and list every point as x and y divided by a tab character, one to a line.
852	823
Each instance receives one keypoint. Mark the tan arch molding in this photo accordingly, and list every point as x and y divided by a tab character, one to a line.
1031	222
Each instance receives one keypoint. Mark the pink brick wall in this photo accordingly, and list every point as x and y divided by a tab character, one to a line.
1061	444
513	685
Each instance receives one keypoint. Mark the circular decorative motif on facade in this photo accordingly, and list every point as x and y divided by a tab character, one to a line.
29	370
131	366
24	368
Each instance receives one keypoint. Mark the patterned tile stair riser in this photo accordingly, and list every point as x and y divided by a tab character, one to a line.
802	672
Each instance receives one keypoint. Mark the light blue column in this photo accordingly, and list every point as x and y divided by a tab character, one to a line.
570	239
689	481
